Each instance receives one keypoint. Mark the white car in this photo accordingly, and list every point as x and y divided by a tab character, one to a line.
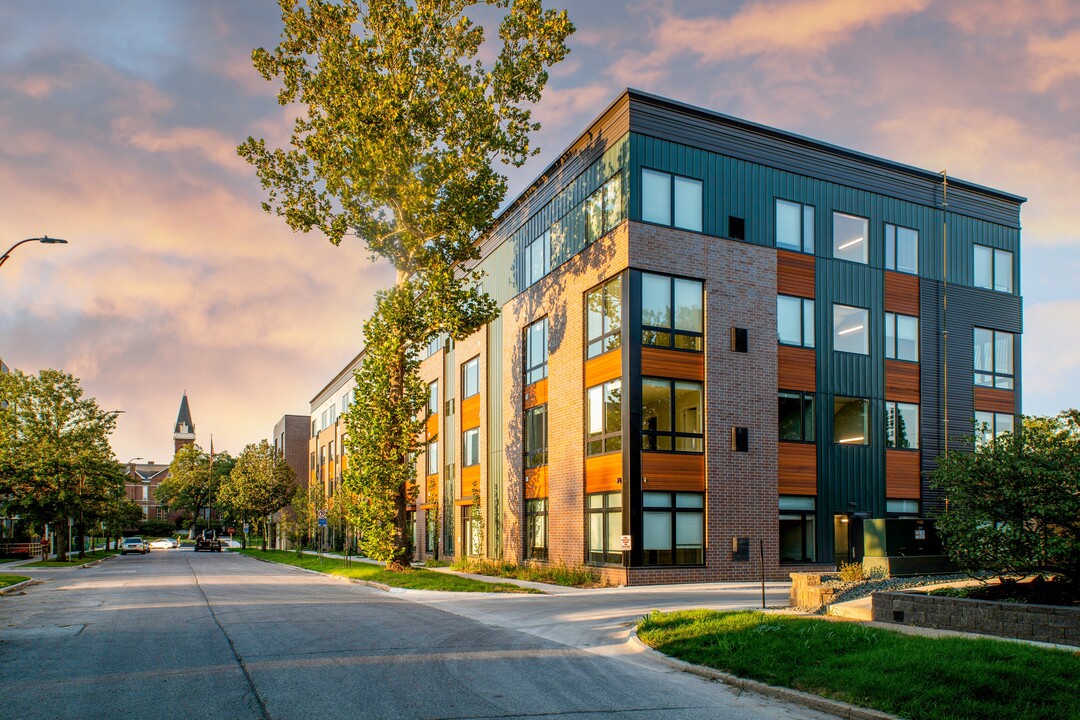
134	544
164	544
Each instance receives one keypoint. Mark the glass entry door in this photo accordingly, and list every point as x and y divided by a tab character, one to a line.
841	547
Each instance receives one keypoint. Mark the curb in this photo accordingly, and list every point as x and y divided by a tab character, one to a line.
19	586
339	578
814	702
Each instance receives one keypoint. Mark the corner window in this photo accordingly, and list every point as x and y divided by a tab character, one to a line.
673	528
536	352
432	454
850	238
538	258
470	378
604	511
536	531
797	539
851	421
901	337
672	313
671	415
851	329
796	414
536	446
470	447
794	226
433	397
604	317
794	321
993	359
604	208
901	425
990	425
604	418
665	196
993	269
901	249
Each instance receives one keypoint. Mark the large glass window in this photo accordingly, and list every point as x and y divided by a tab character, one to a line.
470	531
671	415
850	238
902	508
851	421
536	530
794	321
993	269
688	203
851	329
536	445
989	425
797	539
605	527
604	418
470	447
794	226
901	337
604	317
664	196
432	454
672	313
901	249
470	375
993	358
901	425
433	397
673	528
796	413
536	351
538	258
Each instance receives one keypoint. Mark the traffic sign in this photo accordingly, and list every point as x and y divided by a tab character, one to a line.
322	521
322	514
625	544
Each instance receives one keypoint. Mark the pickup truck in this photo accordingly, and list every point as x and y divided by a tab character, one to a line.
208	542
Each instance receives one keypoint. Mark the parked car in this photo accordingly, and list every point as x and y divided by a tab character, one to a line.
164	544
133	544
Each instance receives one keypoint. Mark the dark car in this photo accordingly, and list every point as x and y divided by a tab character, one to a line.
133	544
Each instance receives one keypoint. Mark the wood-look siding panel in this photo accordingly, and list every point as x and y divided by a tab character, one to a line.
794	274
470	413
797	468
469	476
536	394
432	426
672	471
902	479
676	364
603	368
901	293
603	472
902	381
536	482
796	368
995	400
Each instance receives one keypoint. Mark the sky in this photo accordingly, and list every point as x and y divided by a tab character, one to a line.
119	122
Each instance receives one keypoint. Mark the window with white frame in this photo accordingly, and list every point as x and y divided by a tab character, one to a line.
794	226
851	332
993	358
433	397
851	238
901	249
993	269
901	337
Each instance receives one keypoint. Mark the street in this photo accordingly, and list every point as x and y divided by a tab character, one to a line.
175	634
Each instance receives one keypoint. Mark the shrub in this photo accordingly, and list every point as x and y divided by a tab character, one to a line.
852	572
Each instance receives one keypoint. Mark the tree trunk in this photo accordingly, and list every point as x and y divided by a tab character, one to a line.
82	539
266	531
63	539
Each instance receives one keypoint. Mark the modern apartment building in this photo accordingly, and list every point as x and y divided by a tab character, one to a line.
717	339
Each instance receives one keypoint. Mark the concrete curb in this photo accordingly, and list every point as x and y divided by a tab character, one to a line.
19	586
369	583
814	702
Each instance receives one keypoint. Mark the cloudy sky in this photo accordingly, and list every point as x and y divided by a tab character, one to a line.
119	121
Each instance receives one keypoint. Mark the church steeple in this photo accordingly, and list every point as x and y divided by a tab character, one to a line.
184	431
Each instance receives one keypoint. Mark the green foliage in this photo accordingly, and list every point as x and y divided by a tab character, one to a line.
8	580
193	481
260	484
155	528
852	572
1014	502
556	574
400	125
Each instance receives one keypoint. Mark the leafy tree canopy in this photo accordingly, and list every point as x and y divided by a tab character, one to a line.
260	484
191	486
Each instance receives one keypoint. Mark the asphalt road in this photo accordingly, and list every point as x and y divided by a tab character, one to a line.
177	634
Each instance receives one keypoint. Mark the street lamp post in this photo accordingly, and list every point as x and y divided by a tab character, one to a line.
43	239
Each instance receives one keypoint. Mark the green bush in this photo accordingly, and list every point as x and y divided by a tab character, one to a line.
852	572
156	528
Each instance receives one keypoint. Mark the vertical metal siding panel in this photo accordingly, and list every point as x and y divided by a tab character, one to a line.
495	435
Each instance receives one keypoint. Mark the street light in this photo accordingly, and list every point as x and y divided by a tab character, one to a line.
43	239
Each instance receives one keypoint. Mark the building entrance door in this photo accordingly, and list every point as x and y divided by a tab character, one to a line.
841	546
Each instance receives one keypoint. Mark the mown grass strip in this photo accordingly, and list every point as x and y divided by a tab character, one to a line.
916	677
9	580
416	579
73	559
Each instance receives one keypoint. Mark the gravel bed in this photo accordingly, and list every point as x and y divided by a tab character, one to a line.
854	590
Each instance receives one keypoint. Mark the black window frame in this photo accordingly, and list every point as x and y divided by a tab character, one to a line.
868	428
534	457
807	519
891	412
653	557
651	333
535	373
536	516
999	380
649	437
607	437
993	268
802	321
543	240
866	240
891	238
607	555
803	223
610	339
671	199
891	321
807	404
865	329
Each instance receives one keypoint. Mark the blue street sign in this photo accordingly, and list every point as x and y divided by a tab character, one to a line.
322	522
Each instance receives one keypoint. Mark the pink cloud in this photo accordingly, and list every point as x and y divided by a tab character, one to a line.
1055	60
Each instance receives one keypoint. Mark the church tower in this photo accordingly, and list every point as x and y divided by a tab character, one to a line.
184	432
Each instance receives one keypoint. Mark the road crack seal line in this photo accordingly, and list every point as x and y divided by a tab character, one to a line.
239	660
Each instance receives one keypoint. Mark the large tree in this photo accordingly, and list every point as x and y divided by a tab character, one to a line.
1014	501
193	481
260	484
55	459
401	124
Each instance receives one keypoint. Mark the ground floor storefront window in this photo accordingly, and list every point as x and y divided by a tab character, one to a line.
673	528
470	531
536	529
605	528
797	539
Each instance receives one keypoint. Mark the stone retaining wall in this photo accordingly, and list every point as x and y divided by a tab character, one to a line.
1044	623
807	591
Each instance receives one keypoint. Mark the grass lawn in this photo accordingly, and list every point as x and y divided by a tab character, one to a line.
558	574
414	579
73	559
6	580
7	560
915	677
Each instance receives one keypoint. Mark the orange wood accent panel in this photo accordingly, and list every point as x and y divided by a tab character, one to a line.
995	400
901	381
536	394
463	502
470	412
901	293
794	274
797	468
602	473
657	362
536	482
902	473
603	368
672	471
796	368
432	426
469	475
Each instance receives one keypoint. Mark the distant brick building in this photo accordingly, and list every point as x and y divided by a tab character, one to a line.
145	477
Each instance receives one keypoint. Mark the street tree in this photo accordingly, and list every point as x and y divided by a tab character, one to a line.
193	481
401	125
55	457
260	484
1014	501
